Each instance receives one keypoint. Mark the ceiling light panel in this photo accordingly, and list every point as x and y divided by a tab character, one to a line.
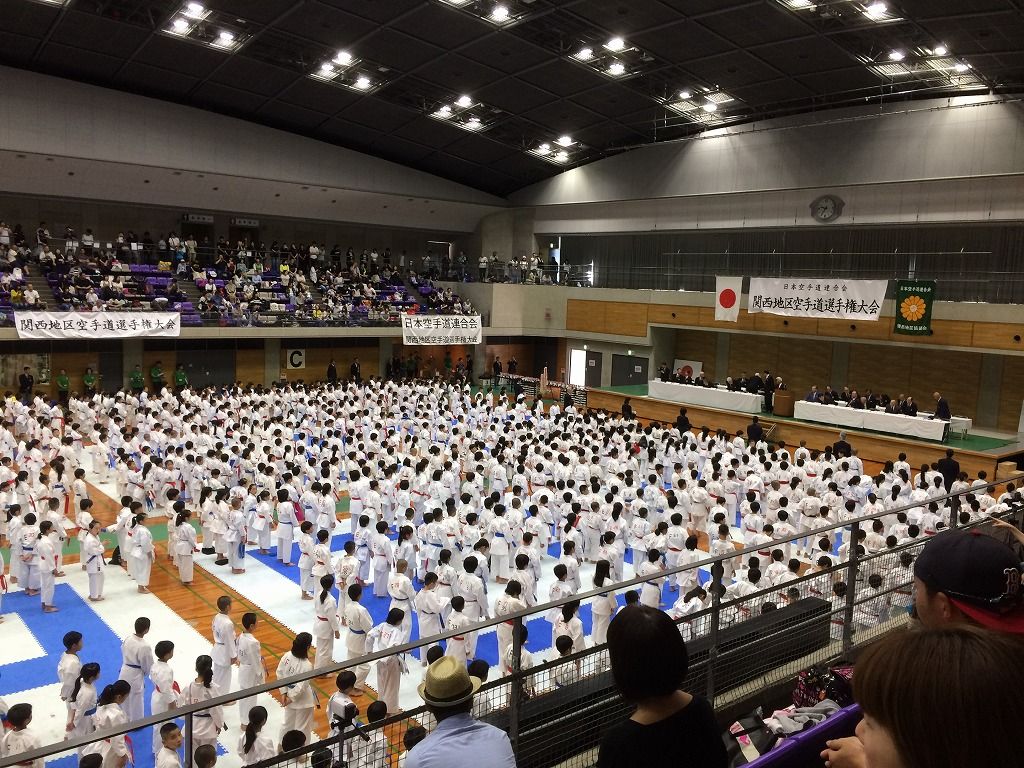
198	24
500	13
612	57
703	105
464	112
849	12
346	70
563	150
922	66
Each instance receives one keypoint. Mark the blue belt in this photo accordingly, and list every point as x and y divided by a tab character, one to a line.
500	535
89	712
357	631
133	666
202	714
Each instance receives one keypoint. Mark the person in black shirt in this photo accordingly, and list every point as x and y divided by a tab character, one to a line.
909	407
754	431
683	422
332	373
669	727
355	372
26	381
627	410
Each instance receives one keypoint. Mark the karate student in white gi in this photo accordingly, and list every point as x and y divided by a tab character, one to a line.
428	610
326	626
505	605
47	557
186	546
402	594
225	648
299	699
136	663
359	622
166	693
252	670
386	635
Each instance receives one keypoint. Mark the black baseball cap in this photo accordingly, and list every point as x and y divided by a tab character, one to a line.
980	575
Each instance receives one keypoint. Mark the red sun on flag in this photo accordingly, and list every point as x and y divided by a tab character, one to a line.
727	298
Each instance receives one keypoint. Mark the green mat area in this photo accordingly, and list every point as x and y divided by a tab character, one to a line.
631	390
971	443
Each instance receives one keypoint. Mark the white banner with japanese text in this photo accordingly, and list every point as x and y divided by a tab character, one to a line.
825	297
96	325
421	330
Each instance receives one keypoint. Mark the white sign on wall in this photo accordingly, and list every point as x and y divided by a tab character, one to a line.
817	297
295	359
96	325
420	330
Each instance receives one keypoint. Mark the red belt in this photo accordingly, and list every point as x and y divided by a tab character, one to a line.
673	549
321	618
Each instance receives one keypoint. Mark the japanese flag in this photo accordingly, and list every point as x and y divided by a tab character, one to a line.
727	298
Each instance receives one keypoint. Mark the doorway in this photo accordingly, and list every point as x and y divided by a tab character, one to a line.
628	370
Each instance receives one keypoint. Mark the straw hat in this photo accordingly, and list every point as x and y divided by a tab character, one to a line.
448	683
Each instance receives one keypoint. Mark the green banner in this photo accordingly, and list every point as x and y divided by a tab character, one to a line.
914	307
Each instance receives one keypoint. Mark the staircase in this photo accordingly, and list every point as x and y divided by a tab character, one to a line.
38	281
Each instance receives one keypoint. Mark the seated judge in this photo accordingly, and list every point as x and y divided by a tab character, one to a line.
856	401
741	382
701	380
941	407
814	396
664	372
683	377
909	407
894	406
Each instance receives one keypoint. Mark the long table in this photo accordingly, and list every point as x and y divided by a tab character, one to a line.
710	397
876	421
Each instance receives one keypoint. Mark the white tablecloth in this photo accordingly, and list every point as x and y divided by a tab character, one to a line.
711	397
876	421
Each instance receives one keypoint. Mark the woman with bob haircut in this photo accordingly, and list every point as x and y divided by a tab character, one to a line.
909	683
670	727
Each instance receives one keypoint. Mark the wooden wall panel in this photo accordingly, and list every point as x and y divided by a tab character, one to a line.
626	319
75	364
524	354
669	314
998	336
585	316
880	369
697	345
750	354
861	330
250	366
779	324
1011	393
317	359
803	362
950	333
744	323
957	375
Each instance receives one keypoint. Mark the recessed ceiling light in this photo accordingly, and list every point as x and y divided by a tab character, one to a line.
896	55
444	111
543	149
473	123
195	10
180	26
561	156
464	101
343	58
961	67
584	54
940	50
225	36
615	44
362	82
500	13
710	106
685	94
617	68
327	68
565	141
876	11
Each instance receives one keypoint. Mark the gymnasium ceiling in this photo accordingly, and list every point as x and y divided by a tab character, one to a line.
376	75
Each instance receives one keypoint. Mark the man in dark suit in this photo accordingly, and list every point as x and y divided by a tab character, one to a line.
909	407
682	421
842	448
813	396
355	372
755	384
941	409
741	382
949	468
26	381
332	373
754	431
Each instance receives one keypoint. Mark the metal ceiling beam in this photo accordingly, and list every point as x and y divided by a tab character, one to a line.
296	6
49	32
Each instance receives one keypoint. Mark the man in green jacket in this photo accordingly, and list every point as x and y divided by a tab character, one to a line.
137	381
63	387
180	378
156	376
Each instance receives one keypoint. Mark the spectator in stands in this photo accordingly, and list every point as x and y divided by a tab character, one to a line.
909	682
669	727
459	740
960	578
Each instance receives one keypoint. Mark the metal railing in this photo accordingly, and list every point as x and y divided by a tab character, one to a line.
554	712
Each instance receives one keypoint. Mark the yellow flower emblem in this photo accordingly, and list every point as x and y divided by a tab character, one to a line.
913	308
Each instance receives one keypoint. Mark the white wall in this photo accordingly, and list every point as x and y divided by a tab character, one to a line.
114	139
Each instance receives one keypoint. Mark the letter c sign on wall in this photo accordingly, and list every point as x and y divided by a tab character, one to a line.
295	359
